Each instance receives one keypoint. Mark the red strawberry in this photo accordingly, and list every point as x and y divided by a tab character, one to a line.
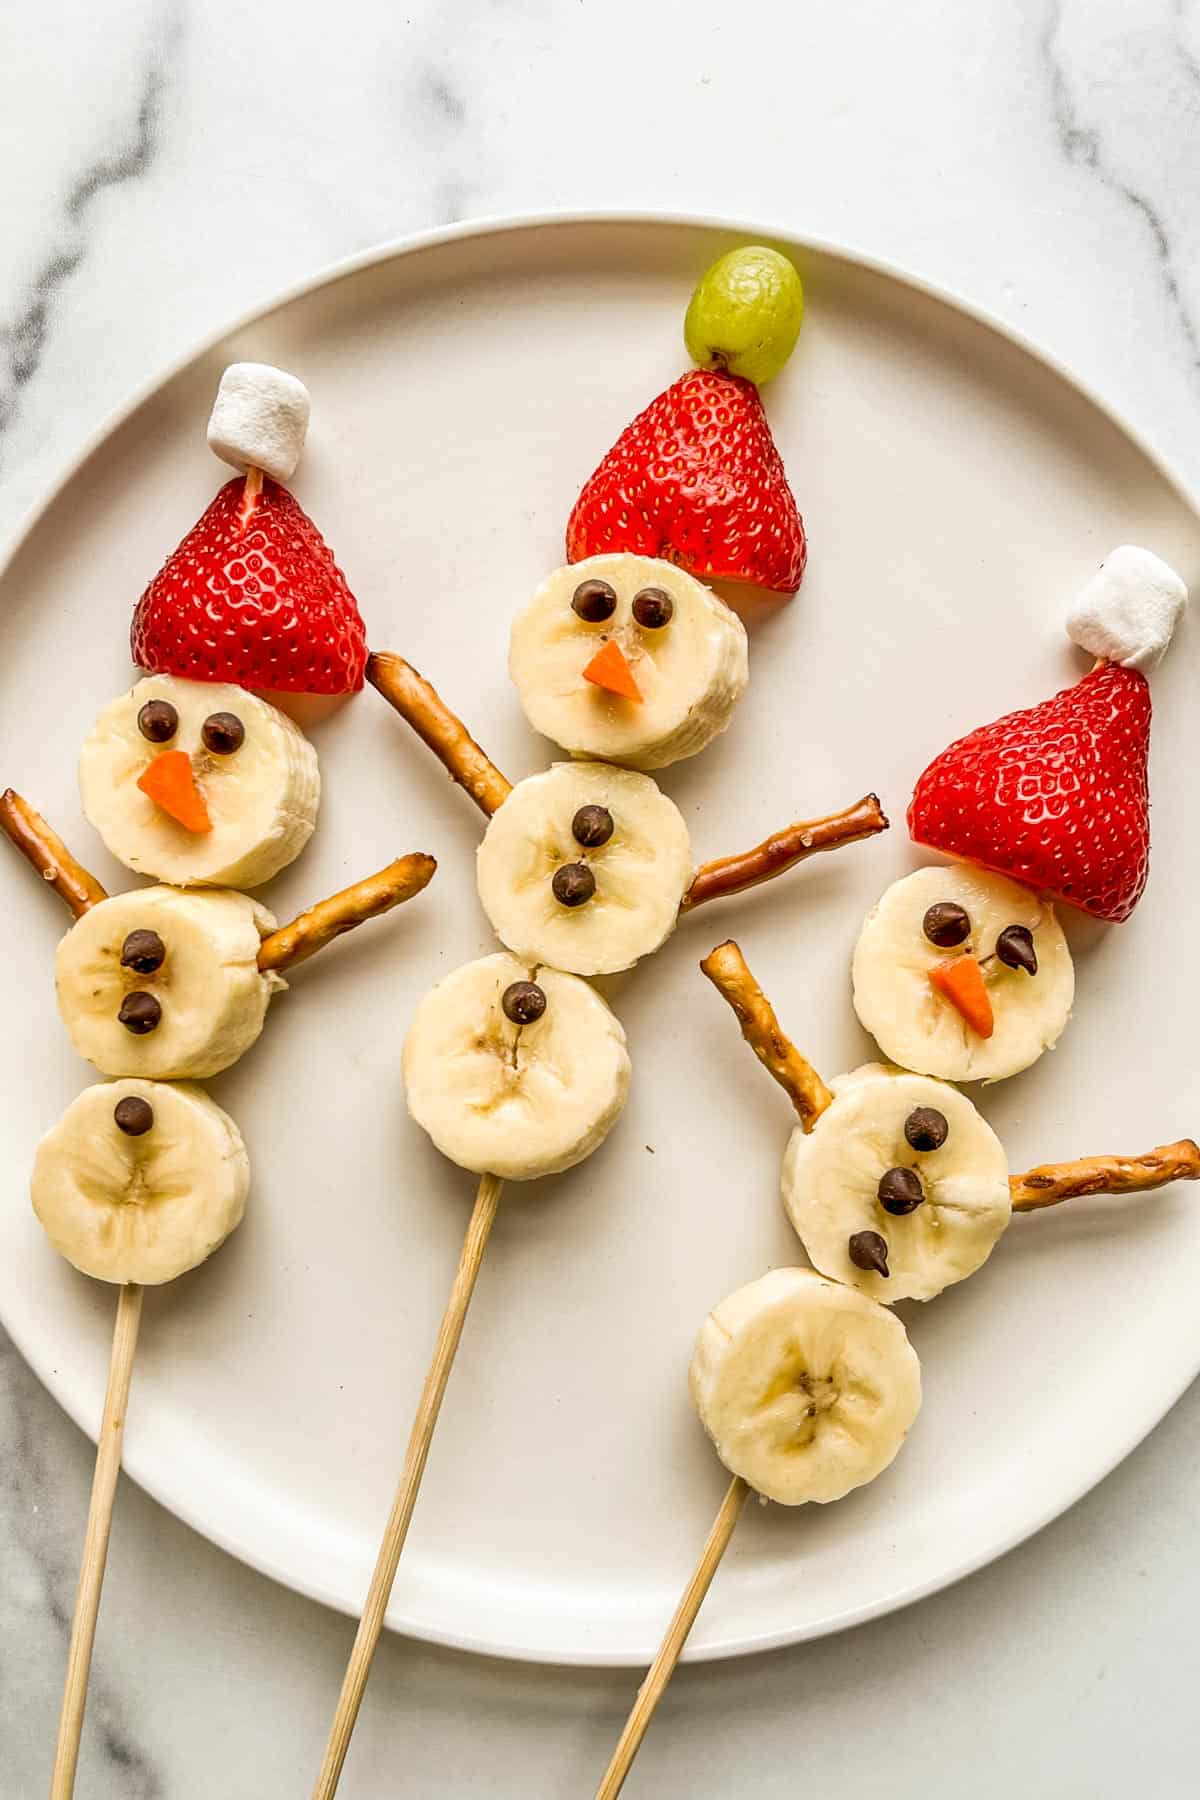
253	595
1055	796
696	479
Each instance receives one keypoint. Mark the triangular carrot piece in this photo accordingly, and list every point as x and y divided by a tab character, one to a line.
608	669
169	782
961	981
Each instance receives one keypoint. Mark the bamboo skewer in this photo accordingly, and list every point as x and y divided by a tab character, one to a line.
370	1625
95	1543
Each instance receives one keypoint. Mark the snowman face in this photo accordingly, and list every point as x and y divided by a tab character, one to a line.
629	659
199	783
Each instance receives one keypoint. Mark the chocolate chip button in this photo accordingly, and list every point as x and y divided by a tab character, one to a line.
594	601
1015	949
158	721
223	733
867	1250
573	884
900	1191
140	1013
143	952
524	1002
653	608
134	1116
926	1128
592	826
946	924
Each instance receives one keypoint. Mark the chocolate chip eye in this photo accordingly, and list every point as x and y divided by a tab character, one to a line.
592	826
926	1128
524	1002
140	1013
653	608
946	924
1015	949
158	721
573	884
867	1250
223	733
134	1116
143	952
900	1191
594	601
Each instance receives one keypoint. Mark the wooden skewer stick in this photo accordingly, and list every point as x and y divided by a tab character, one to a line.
95	1543
370	1624
29	833
421	706
782	851
1055	1182
318	925
663	1666
729	973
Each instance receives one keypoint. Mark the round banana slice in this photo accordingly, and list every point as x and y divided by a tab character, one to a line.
926	922
515	1069
199	783
584	867
682	649
900	1174
140	1180
165	984
807	1389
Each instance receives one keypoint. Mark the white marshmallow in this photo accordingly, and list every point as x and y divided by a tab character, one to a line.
259	419
1129	609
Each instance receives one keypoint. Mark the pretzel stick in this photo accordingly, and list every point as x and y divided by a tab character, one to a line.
1055	1182
95	1543
29	833
727	969
318	925
421	706
663	1666
807	837
487	1199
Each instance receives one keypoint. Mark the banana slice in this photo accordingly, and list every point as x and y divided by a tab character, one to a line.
918	1027
165	984
583	867
807	1389
140	1180
684	648
244	765
902	1173
515	1068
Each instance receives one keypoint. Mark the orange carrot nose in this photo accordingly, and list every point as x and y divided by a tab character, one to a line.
961	980
608	669
169	782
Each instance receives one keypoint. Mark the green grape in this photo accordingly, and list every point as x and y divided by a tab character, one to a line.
745	314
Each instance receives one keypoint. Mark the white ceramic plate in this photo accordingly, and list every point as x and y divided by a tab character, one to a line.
957	488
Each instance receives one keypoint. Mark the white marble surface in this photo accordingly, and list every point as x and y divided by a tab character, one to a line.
168	164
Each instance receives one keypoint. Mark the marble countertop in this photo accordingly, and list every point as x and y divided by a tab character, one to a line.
171	164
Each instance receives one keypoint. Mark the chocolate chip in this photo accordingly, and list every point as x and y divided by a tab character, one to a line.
573	884
158	721
134	1116
524	1002
867	1250
594	601
946	924
1015	949
143	952
653	608
926	1128
900	1191
592	826
223	733
140	1013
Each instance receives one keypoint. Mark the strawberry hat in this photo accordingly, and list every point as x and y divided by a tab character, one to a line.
1056	796
252	595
